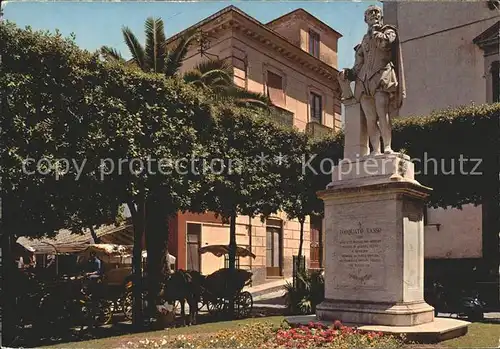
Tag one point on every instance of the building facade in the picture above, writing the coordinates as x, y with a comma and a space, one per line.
451, 54
293, 60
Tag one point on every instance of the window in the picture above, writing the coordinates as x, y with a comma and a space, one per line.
273, 251
495, 80
316, 107
314, 43
275, 88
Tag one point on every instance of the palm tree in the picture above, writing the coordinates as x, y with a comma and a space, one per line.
154, 56
216, 75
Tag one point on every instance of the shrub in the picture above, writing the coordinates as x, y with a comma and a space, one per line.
307, 294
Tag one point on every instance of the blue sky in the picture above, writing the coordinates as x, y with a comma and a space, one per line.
99, 23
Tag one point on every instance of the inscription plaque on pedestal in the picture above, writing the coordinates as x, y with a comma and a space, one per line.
359, 252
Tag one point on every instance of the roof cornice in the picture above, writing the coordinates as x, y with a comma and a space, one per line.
488, 37
233, 18
489, 40
283, 47
304, 15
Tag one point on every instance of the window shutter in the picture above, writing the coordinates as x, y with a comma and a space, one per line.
316, 107
275, 88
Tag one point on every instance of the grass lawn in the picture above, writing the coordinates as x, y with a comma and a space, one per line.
119, 341
479, 336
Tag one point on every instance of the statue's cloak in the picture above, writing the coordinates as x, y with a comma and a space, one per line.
397, 60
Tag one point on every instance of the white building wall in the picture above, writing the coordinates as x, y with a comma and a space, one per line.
443, 68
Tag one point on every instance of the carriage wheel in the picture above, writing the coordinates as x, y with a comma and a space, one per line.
202, 303
101, 313
243, 304
106, 312
127, 305
215, 308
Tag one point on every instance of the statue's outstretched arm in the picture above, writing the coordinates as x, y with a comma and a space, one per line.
386, 38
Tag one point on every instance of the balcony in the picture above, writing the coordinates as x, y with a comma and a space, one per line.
317, 130
282, 116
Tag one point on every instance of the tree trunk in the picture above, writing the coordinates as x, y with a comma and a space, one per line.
232, 258
7, 299
232, 242
301, 239
138, 219
156, 245
96, 239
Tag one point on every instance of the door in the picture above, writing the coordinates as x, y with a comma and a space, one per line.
315, 258
193, 244
273, 251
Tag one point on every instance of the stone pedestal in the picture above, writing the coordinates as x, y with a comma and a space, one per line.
374, 271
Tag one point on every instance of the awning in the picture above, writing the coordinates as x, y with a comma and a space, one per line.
68, 242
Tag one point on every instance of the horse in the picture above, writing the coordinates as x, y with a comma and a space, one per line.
184, 286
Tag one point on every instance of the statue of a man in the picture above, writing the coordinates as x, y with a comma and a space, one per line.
379, 79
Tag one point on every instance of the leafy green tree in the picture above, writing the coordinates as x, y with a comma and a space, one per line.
62, 103
249, 180
300, 187
214, 77
50, 112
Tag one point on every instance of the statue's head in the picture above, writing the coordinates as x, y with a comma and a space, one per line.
373, 15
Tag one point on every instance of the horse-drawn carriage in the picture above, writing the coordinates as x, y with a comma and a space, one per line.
214, 291
225, 284
115, 292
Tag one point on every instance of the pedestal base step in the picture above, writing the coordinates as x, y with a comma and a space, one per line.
373, 313
439, 330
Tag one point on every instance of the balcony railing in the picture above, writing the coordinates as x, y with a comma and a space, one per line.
282, 116
317, 130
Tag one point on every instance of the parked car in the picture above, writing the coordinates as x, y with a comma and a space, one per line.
454, 300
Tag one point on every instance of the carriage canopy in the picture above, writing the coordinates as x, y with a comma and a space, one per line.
116, 253
221, 250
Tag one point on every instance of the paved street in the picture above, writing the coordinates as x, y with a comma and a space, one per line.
273, 300
489, 317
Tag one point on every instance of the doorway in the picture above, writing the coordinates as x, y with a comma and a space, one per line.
193, 244
274, 247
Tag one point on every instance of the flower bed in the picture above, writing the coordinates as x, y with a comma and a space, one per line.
264, 335
316, 335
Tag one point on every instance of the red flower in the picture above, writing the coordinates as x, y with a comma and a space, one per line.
337, 324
